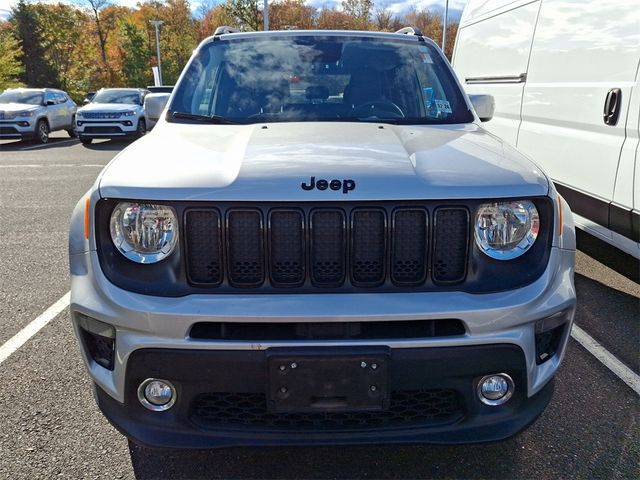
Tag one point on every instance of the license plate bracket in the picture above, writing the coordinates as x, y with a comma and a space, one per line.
327, 381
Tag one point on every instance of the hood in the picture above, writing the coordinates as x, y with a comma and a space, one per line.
109, 107
17, 107
270, 162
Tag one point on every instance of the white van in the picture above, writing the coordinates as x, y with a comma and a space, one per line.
565, 77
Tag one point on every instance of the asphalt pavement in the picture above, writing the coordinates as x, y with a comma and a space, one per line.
51, 428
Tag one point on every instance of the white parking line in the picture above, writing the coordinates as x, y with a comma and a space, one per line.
623, 372
39, 165
61, 142
20, 338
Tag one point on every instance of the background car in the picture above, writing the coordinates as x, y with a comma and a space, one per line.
33, 113
113, 113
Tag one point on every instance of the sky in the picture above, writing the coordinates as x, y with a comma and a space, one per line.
396, 6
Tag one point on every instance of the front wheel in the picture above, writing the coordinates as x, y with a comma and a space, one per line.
72, 131
142, 128
42, 132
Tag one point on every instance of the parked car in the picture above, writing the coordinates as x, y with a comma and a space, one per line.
568, 95
33, 113
355, 262
112, 113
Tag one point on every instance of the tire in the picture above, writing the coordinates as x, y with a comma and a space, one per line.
142, 128
42, 132
72, 131
85, 140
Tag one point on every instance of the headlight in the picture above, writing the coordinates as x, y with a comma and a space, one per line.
506, 230
25, 113
79, 114
144, 232
130, 113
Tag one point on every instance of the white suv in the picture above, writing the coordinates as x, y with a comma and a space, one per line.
32, 113
319, 243
113, 113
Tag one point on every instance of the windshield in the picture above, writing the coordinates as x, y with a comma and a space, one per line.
310, 78
116, 96
32, 98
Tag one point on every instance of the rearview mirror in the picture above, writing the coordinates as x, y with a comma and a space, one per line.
484, 105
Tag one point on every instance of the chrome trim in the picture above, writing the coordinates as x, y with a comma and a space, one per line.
522, 78
500, 401
151, 406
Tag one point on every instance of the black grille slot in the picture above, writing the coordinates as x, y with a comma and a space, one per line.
328, 247
8, 130
408, 264
451, 238
204, 252
100, 349
245, 248
368, 242
286, 247
263, 331
407, 407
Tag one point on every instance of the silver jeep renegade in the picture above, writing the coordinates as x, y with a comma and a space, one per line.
320, 244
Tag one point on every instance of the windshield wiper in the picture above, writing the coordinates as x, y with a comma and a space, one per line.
213, 119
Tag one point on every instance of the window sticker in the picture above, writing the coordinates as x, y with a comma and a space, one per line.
428, 96
443, 106
424, 55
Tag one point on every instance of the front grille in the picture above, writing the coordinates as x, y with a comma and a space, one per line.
8, 131
282, 331
326, 247
407, 408
102, 130
101, 115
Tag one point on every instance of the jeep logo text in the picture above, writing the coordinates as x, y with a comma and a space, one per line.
345, 185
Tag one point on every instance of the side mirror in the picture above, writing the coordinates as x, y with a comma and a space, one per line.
154, 104
48, 103
86, 101
484, 105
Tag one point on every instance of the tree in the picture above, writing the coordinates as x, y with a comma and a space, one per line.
245, 13
10, 52
291, 14
96, 7
37, 71
360, 11
332, 19
134, 54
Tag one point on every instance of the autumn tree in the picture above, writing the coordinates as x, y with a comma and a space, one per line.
288, 14
215, 17
360, 11
332, 19
134, 55
10, 53
245, 13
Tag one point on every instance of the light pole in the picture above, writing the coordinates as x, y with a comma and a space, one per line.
265, 15
444, 27
156, 24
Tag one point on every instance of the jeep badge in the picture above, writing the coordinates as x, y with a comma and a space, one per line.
345, 185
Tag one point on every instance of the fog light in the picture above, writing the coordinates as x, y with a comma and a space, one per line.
495, 389
156, 395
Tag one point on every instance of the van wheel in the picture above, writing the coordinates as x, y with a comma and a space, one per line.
42, 132
85, 140
142, 128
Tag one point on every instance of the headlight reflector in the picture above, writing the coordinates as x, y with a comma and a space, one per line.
144, 232
506, 230
129, 113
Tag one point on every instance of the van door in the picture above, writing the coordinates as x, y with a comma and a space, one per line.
491, 55
582, 70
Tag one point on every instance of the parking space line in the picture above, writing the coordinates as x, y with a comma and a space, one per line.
61, 142
20, 338
623, 372
39, 165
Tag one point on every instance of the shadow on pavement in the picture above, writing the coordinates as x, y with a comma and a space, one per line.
108, 146
608, 255
21, 145
336, 462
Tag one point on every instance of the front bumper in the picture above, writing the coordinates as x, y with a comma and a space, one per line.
17, 129
197, 373
152, 340
126, 127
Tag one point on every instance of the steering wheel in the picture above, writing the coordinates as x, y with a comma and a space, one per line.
385, 105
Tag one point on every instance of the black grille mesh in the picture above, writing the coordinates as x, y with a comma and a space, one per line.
368, 237
287, 248
451, 241
245, 248
408, 265
204, 257
410, 407
328, 247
